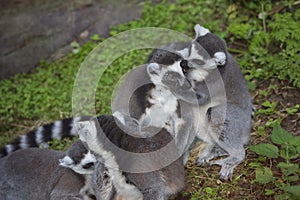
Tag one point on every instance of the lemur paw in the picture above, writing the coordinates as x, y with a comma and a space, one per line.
153, 69
227, 167
127, 123
205, 156
174, 80
203, 162
226, 172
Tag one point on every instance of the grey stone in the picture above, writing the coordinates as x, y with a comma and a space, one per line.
36, 30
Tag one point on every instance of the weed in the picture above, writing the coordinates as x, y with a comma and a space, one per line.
293, 110
61, 145
287, 148
272, 34
268, 108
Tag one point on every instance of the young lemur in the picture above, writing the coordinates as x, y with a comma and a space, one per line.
36, 174
98, 181
134, 175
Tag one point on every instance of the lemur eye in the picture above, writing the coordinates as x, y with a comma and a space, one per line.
88, 165
197, 62
184, 66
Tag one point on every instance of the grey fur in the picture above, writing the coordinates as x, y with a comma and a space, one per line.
227, 124
35, 174
102, 184
152, 185
79, 159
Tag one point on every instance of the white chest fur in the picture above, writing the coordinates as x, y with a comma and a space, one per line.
162, 112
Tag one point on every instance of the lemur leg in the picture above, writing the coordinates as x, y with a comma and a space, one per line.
210, 152
228, 164
184, 137
229, 127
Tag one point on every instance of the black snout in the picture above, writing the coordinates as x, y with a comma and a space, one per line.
184, 66
184, 63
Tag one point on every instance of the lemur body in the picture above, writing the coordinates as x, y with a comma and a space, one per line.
35, 174
102, 136
226, 111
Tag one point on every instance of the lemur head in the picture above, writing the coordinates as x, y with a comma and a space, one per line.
206, 52
196, 58
79, 159
212, 44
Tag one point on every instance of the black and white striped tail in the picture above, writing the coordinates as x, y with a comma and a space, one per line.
43, 134
253, 112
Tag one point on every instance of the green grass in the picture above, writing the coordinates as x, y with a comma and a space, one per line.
264, 37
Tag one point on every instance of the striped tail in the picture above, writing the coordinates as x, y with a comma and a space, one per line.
42, 135
253, 112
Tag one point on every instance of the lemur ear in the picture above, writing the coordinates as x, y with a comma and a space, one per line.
153, 68
66, 162
220, 58
200, 30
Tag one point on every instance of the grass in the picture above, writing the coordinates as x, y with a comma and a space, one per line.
264, 38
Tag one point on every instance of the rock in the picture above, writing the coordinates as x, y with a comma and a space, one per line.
36, 30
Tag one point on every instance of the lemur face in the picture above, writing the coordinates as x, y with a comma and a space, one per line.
85, 166
206, 52
79, 159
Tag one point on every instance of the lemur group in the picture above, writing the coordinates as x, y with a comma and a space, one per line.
194, 92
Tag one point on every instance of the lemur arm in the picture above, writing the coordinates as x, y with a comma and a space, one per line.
184, 131
182, 89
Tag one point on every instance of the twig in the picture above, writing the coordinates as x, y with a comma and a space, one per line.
236, 51
280, 7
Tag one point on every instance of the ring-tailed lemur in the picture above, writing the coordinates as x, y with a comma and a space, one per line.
152, 185
227, 124
98, 181
35, 174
